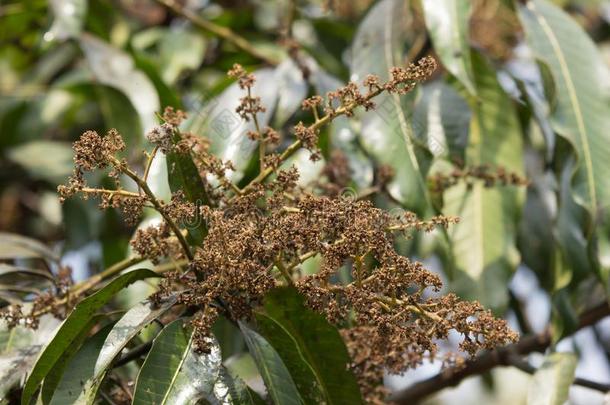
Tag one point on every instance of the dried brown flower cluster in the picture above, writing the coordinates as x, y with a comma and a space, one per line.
488, 175
260, 235
56, 301
265, 237
249, 105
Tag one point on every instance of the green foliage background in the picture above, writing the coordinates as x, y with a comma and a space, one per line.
523, 86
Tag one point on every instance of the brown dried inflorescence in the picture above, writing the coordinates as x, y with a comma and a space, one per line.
262, 239
391, 314
490, 177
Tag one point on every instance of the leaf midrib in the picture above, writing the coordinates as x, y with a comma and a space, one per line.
185, 353
573, 100
306, 355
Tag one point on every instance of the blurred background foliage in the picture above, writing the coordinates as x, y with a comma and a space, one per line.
67, 66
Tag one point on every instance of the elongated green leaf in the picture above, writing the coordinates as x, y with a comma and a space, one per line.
73, 326
441, 119
173, 373
68, 21
48, 160
126, 329
118, 112
536, 240
582, 113
484, 240
14, 246
387, 133
113, 67
123, 331
571, 222
7, 269
182, 175
75, 384
447, 23
276, 376
310, 347
552, 381
54, 376
232, 390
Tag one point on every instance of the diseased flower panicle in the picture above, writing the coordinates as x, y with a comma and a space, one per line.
391, 314
312, 103
309, 138
403, 79
92, 151
485, 173
245, 80
155, 243
173, 117
161, 136
249, 106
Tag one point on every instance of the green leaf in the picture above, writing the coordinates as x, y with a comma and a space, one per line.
582, 112
47, 160
77, 385
122, 332
167, 95
54, 376
276, 376
551, 382
74, 325
483, 242
174, 373
14, 246
115, 68
447, 23
233, 390
571, 222
68, 21
183, 175
180, 50
536, 239
310, 347
441, 119
386, 132
7, 270
126, 329
119, 113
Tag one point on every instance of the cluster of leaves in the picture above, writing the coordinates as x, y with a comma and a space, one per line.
303, 272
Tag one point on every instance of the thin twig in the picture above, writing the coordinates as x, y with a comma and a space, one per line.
96, 279
218, 30
285, 273
151, 157
133, 354
123, 193
291, 149
91, 282
156, 203
261, 143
